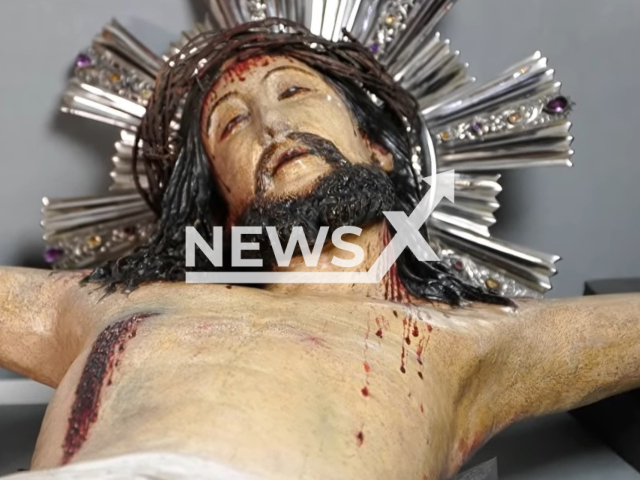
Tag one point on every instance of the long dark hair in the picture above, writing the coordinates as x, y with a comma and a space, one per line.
182, 189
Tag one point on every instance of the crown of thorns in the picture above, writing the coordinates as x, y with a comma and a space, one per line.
199, 64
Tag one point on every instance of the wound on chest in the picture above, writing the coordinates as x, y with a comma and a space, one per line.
104, 358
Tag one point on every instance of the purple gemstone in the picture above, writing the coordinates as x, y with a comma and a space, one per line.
53, 255
130, 231
458, 265
477, 128
374, 48
557, 105
83, 61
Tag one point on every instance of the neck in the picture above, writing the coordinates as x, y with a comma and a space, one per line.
373, 240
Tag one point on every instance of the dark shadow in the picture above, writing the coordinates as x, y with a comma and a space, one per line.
30, 255
511, 203
19, 428
530, 445
4, 374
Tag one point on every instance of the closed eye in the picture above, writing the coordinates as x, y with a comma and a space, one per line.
231, 125
291, 92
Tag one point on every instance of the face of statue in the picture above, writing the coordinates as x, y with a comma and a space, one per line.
273, 128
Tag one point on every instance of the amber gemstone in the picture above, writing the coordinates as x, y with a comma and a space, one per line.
515, 118
94, 241
492, 284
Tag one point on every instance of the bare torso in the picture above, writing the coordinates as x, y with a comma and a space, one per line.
302, 386
287, 387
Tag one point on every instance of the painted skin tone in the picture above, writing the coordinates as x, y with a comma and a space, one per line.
315, 384
253, 108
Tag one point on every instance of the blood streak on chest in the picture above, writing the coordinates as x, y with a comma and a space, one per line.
102, 361
394, 289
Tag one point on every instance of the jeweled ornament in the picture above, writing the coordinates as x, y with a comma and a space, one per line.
83, 60
557, 105
53, 255
421, 62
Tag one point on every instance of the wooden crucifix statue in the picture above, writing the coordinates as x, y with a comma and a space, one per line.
405, 379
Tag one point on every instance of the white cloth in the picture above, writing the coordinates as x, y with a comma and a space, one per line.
138, 466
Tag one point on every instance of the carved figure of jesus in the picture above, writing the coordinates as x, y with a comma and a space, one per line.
158, 379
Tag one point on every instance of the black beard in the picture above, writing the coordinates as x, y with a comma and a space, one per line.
350, 195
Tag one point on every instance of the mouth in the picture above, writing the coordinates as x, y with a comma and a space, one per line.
287, 157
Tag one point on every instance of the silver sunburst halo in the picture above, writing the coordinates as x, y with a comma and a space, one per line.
517, 120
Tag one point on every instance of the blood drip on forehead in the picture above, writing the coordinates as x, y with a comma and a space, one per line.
238, 70
235, 71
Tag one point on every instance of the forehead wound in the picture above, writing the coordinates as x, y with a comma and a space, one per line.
234, 71
237, 71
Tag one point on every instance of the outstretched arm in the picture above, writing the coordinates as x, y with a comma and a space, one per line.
40, 328
553, 356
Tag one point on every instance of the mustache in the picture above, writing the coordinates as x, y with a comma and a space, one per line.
314, 144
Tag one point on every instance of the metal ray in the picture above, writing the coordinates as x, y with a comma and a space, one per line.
505, 123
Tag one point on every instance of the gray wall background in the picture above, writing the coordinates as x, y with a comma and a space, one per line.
587, 214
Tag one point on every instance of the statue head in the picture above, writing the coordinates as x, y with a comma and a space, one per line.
272, 127
281, 128
282, 139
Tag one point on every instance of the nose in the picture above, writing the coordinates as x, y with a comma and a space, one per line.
275, 124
